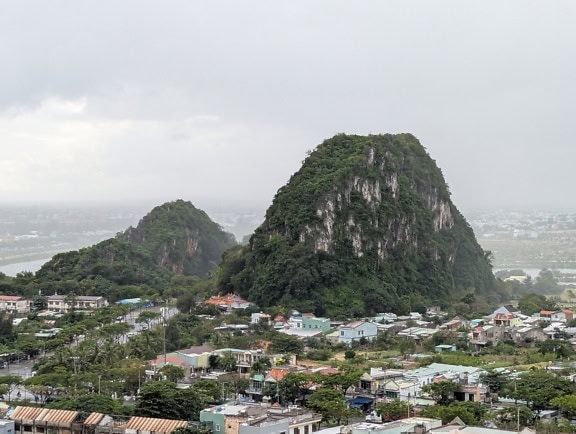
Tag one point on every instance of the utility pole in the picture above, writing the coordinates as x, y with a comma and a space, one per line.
164, 327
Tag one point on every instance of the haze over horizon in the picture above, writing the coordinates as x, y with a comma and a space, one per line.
218, 102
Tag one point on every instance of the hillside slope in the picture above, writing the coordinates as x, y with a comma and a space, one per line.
365, 225
173, 239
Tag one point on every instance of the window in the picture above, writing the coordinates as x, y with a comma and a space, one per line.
307, 429
216, 427
342, 333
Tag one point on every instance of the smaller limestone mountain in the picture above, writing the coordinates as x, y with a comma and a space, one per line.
366, 225
175, 238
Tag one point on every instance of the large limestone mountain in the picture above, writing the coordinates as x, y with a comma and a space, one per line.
365, 225
175, 238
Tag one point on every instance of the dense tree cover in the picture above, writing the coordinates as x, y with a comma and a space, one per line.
471, 413
90, 403
393, 410
162, 399
538, 388
382, 197
331, 404
532, 303
443, 391
173, 240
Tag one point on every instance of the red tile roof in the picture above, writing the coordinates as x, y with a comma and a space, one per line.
10, 298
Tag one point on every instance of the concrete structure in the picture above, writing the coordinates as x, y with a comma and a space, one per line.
316, 323
444, 347
401, 426
357, 330
7, 427
244, 358
14, 304
61, 303
255, 419
507, 320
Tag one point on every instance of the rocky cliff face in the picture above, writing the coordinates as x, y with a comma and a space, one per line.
363, 212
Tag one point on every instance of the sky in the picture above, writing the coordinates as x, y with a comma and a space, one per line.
218, 102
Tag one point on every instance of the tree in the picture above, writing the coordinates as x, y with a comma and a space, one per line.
291, 387
89, 403
161, 399
554, 346
495, 380
148, 317
172, 373
508, 417
546, 282
567, 404
443, 391
11, 382
286, 344
261, 365
227, 362
393, 410
209, 390
539, 387
471, 413
349, 354
532, 303
331, 404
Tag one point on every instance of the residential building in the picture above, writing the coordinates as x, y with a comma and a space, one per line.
401, 426
507, 320
356, 331
67, 303
315, 323
525, 336
564, 315
244, 358
481, 335
14, 304
444, 347
456, 323
228, 302
260, 318
256, 419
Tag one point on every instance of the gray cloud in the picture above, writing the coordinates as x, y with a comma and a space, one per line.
221, 99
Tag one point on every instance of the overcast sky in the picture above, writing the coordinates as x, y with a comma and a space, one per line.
218, 101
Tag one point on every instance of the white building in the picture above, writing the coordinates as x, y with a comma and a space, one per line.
61, 303
14, 304
357, 330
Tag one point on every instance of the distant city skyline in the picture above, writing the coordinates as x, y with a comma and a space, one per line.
218, 102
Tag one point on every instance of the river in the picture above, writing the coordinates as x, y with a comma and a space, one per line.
18, 267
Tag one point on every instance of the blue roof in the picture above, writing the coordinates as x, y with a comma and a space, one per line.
360, 400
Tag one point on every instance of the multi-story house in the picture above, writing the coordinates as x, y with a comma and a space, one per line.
356, 331
315, 323
250, 419
14, 304
67, 303
244, 358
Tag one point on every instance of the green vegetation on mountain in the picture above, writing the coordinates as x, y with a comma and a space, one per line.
175, 244
365, 225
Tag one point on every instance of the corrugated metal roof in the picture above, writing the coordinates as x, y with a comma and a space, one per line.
57, 417
153, 424
46, 415
94, 419
26, 413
